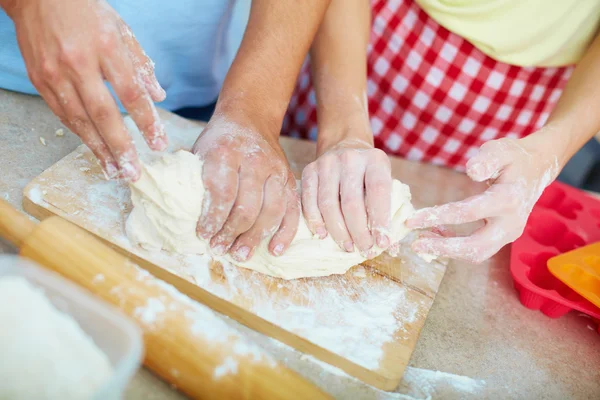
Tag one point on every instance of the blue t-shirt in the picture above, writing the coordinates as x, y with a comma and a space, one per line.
190, 42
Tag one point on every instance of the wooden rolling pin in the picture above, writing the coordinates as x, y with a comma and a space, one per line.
186, 344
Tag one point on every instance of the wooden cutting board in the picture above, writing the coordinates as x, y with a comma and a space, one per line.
362, 322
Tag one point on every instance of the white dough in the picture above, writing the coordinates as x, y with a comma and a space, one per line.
168, 201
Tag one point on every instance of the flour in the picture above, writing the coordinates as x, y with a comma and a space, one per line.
150, 311
229, 366
201, 322
45, 353
35, 194
417, 383
347, 315
427, 384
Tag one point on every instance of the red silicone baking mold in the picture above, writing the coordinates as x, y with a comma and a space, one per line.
563, 219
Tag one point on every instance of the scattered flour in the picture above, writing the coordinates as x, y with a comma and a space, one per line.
98, 278
417, 383
60, 132
149, 313
428, 384
35, 194
229, 366
202, 322
44, 353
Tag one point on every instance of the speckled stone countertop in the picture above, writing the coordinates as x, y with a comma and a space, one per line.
486, 344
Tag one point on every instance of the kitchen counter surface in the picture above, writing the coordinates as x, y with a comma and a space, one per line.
486, 344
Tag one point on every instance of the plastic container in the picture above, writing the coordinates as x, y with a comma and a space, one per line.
564, 219
579, 269
117, 336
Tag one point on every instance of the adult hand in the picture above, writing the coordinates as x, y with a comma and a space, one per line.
517, 171
250, 189
70, 47
346, 192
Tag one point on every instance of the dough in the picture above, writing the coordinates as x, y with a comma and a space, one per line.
168, 201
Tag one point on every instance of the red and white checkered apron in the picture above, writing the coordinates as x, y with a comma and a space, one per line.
433, 96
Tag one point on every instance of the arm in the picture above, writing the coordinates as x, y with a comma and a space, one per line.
251, 190
346, 192
69, 48
519, 171
575, 119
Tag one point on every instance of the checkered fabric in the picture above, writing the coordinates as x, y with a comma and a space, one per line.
433, 96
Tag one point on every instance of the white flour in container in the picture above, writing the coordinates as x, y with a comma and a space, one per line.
44, 353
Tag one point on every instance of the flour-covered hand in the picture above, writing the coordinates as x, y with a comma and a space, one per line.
346, 192
250, 189
70, 47
517, 171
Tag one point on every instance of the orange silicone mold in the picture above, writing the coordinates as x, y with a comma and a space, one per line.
564, 219
580, 270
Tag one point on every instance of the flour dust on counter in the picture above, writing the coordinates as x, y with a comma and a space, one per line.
417, 383
44, 353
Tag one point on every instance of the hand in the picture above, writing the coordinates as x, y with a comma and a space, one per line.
347, 192
69, 48
250, 190
518, 171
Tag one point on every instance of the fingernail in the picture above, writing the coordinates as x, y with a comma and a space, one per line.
383, 241
219, 250
368, 253
278, 250
110, 171
159, 93
321, 232
242, 253
129, 172
159, 143
349, 246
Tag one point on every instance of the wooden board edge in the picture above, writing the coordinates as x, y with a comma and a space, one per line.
237, 313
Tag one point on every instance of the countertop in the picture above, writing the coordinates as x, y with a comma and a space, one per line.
484, 342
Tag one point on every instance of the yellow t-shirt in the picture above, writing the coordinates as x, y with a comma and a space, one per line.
521, 32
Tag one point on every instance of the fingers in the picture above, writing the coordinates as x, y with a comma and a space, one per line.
378, 184
77, 119
142, 63
119, 70
328, 199
472, 209
310, 206
289, 225
107, 120
478, 247
243, 215
353, 201
220, 177
269, 219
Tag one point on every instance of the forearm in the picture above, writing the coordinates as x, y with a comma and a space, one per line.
576, 117
339, 71
265, 70
6, 5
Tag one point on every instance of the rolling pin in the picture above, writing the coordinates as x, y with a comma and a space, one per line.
186, 343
